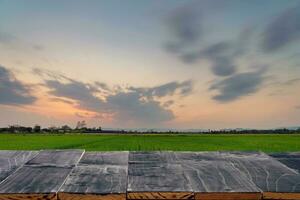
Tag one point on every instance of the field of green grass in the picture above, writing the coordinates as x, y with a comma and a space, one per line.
89, 142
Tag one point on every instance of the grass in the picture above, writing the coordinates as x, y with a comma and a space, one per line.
253, 142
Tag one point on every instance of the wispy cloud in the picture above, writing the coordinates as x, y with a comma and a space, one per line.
13, 91
238, 85
283, 30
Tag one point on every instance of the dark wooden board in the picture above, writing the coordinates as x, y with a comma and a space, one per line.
34, 180
266, 172
69, 196
63, 158
208, 172
154, 175
152, 156
97, 179
292, 160
11, 160
105, 158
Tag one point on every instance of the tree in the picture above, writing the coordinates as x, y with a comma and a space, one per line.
37, 128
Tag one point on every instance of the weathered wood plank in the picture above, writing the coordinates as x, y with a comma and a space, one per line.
66, 158
266, 172
154, 175
34, 180
228, 196
160, 195
11, 160
292, 160
99, 175
70, 196
97, 179
152, 156
28, 196
281, 196
105, 158
209, 172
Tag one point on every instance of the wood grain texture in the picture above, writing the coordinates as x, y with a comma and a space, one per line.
105, 158
292, 160
156, 172
152, 156
281, 196
160, 195
34, 180
28, 197
11, 160
266, 172
62, 158
97, 179
69, 196
209, 172
228, 196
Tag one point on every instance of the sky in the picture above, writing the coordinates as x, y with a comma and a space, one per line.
207, 64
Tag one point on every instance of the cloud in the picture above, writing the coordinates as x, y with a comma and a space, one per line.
129, 106
184, 26
183, 88
13, 91
78, 91
238, 85
283, 30
126, 105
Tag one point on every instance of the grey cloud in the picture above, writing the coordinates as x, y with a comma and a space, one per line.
183, 88
127, 104
13, 91
168, 103
238, 85
184, 25
78, 91
283, 30
223, 66
130, 107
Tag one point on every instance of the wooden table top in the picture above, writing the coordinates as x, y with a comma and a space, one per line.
76, 174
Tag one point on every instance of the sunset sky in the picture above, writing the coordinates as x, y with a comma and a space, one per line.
150, 63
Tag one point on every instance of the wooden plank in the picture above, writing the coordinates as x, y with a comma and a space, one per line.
69, 196
96, 179
228, 196
11, 160
154, 175
152, 156
105, 158
292, 160
211, 176
281, 196
28, 196
34, 180
160, 195
266, 172
99, 175
68, 158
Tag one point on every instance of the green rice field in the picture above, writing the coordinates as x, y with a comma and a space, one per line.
182, 142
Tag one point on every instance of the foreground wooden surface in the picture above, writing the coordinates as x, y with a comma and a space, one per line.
79, 175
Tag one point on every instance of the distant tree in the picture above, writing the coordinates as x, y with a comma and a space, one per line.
81, 124
66, 128
37, 128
